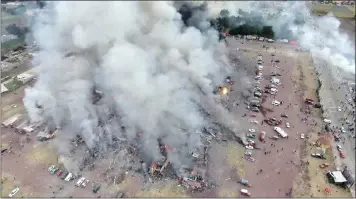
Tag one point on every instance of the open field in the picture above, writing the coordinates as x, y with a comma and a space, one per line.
338, 11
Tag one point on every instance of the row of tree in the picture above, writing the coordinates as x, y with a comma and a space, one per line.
244, 24
246, 29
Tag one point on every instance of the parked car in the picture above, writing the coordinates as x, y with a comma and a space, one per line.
13, 192
51, 168
327, 121
54, 170
342, 154
284, 115
276, 102
252, 130
255, 109
59, 173
318, 155
64, 175
324, 165
339, 148
84, 184
257, 94
287, 125
343, 130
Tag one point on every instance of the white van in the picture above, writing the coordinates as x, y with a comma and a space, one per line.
281, 132
80, 181
69, 177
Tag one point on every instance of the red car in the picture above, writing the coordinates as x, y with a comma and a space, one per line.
342, 154
309, 101
59, 173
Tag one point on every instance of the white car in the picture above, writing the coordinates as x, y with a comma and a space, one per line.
339, 148
84, 184
249, 147
13, 192
287, 125
276, 103
252, 130
254, 121
327, 121
343, 129
302, 136
51, 168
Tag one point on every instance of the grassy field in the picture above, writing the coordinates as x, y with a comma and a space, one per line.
234, 154
168, 189
6, 46
338, 11
8, 185
42, 154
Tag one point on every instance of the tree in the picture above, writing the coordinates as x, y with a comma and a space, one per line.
224, 13
267, 31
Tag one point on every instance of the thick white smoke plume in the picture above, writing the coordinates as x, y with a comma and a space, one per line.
155, 74
319, 35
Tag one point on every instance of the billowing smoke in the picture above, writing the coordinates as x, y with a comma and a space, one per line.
293, 20
155, 74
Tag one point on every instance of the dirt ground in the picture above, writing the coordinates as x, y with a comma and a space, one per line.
26, 162
281, 164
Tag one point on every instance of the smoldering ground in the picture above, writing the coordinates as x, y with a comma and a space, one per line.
154, 72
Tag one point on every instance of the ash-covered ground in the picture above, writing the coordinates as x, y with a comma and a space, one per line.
137, 95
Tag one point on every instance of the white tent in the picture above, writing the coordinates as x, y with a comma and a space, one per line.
3, 88
338, 177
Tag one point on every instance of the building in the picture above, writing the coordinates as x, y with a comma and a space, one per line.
25, 77
12, 120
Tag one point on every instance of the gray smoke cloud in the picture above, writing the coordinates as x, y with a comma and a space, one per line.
155, 74
293, 20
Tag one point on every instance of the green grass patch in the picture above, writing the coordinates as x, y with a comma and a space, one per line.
338, 11
13, 85
9, 45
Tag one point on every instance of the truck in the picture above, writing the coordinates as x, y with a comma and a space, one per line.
281, 132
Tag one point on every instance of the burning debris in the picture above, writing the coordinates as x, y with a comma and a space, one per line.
193, 179
46, 135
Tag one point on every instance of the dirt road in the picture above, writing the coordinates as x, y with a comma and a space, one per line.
277, 161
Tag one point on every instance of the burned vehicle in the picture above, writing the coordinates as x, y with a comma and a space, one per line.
193, 180
273, 121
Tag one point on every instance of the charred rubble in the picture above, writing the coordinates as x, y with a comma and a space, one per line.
118, 155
